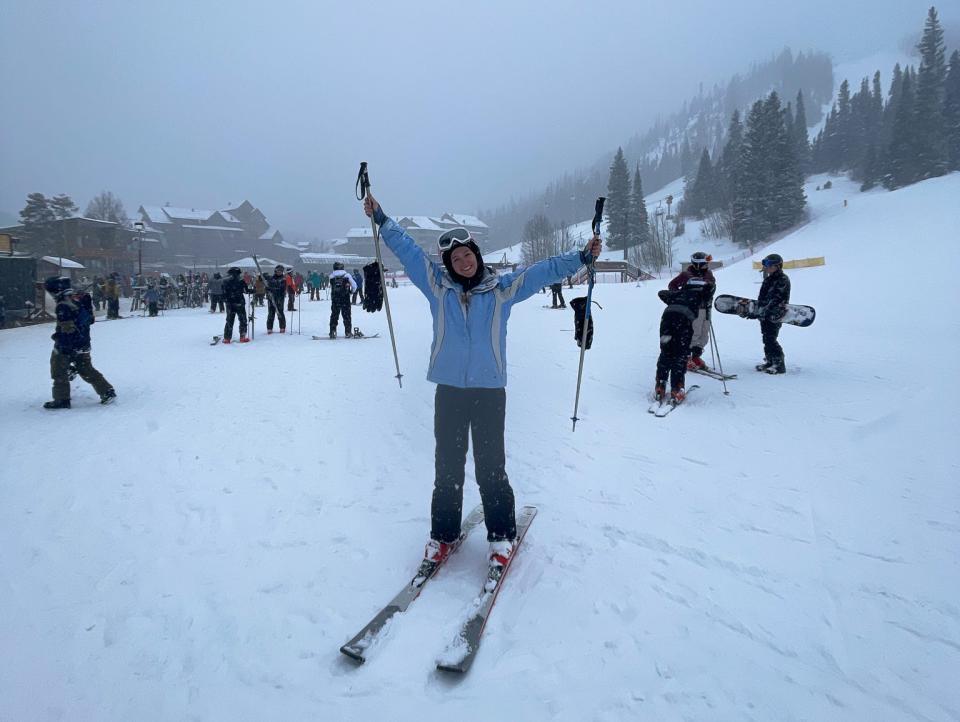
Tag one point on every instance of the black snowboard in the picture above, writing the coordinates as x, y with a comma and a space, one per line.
794, 315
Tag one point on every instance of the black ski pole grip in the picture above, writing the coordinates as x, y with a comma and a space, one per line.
363, 181
598, 215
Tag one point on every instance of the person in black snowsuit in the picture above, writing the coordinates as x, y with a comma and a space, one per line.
771, 304
557, 290
342, 285
676, 330
233, 291
277, 288
71, 345
699, 268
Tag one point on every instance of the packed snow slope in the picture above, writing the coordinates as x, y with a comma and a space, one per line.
201, 549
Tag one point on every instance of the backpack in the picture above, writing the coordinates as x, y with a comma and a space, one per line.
340, 289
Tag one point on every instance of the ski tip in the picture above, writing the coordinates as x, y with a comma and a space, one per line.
353, 654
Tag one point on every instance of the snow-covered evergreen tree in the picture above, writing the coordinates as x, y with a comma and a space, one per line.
618, 204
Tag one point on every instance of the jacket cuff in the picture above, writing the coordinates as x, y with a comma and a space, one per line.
379, 216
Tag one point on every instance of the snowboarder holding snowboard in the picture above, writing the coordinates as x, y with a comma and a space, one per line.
676, 330
233, 290
699, 268
771, 303
341, 286
71, 344
470, 305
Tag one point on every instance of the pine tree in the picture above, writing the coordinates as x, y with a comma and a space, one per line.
890, 109
929, 135
639, 220
699, 199
951, 112
35, 217
801, 140
749, 204
785, 193
725, 166
618, 204
62, 207
841, 149
900, 165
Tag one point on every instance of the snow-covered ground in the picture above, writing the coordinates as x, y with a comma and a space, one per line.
202, 548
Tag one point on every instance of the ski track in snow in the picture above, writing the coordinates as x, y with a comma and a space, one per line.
201, 548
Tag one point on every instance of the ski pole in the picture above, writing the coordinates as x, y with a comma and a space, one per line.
591, 275
363, 187
713, 344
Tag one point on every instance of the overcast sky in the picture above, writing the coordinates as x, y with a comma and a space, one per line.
456, 106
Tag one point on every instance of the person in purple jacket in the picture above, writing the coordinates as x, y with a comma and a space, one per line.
470, 305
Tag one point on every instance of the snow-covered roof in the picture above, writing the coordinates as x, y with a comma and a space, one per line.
248, 263
269, 234
424, 222
359, 233
64, 262
466, 220
155, 214
187, 214
229, 217
230, 229
285, 245
345, 258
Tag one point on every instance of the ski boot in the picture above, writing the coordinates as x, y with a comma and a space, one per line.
433, 556
269, 331
660, 392
357, 333
226, 340
695, 363
677, 396
776, 367
108, 396
500, 553
243, 339
333, 334
57, 404
764, 365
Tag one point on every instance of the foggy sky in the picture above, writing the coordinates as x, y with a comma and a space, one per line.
454, 106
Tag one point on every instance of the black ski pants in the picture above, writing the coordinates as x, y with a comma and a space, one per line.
772, 349
275, 310
60, 373
480, 412
676, 330
235, 310
335, 310
216, 300
558, 296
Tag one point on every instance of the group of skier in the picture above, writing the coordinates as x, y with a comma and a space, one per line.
686, 324
470, 304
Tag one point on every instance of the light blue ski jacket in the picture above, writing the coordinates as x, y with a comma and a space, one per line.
469, 347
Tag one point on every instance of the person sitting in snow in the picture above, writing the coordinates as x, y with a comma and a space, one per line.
470, 305
699, 268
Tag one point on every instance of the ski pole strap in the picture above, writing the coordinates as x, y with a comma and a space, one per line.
363, 182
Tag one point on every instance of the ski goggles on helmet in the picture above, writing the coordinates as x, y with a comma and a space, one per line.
453, 237
767, 262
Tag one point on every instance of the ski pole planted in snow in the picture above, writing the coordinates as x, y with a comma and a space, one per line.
713, 345
591, 275
363, 187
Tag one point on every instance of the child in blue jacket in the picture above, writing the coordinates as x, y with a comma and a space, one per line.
470, 305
